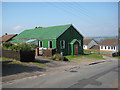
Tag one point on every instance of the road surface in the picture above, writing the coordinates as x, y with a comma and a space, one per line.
101, 75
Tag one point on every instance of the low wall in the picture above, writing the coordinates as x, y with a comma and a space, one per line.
11, 54
27, 56
48, 52
19, 55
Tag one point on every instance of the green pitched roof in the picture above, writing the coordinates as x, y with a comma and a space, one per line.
44, 32
18, 41
73, 41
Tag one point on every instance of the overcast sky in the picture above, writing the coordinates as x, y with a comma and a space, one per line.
89, 18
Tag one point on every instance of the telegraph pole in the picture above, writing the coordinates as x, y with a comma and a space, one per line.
119, 27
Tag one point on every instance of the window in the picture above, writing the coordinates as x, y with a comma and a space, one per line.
40, 44
101, 47
108, 47
105, 47
114, 47
62, 44
50, 44
84, 46
111, 47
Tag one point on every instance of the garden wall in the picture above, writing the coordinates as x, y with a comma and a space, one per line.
11, 54
27, 56
19, 55
48, 52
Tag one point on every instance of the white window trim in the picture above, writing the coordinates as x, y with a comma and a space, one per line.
105, 47
39, 43
79, 42
63, 44
49, 44
109, 47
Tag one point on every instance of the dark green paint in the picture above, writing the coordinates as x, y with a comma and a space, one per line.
70, 34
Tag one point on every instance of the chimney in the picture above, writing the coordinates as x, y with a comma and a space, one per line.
5, 33
37, 27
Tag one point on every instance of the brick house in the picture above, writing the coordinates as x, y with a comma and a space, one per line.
7, 38
89, 44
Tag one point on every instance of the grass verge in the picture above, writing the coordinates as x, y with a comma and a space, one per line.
13, 61
84, 57
117, 57
36, 63
97, 51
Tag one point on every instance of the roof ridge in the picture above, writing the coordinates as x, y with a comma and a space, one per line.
57, 25
48, 27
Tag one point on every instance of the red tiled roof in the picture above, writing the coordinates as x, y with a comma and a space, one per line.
6, 38
96, 47
109, 42
87, 41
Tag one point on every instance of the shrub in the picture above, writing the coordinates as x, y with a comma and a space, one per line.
7, 45
33, 46
54, 57
57, 57
24, 47
14, 47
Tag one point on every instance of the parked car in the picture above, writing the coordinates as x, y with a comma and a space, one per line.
116, 54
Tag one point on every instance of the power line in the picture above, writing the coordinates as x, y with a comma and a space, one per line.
70, 8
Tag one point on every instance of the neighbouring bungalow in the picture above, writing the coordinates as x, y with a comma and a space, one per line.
95, 47
89, 43
109, 45
65, 38
7, 38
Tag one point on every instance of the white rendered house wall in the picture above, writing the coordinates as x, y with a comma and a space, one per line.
84, 46
109, 48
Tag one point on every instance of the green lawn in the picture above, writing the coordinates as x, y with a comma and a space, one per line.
22, 63
5, 59
117, 57
36, 63
84, 57
13, 60
96, 51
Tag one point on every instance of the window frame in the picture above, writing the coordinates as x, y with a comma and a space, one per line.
111, 47
101, 47
62, 47
40, 44
49, 44
79, 42
105, 47
114, 48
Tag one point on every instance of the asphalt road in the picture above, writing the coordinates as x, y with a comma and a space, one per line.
102, 75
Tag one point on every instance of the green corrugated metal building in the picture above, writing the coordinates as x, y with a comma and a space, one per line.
65, 38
